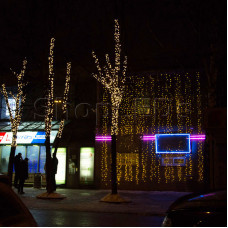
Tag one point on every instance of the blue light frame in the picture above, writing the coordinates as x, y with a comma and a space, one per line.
172, 152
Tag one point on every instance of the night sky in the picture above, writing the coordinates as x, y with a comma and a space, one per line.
156, 35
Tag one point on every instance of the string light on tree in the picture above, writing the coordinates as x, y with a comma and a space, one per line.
50, 178
16, 118
19, 100
112, 79
50, 95
65, 99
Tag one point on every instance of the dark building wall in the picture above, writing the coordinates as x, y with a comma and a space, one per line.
216, 122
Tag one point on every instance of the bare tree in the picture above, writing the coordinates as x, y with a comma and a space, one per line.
50, 169
15, 115
113, 79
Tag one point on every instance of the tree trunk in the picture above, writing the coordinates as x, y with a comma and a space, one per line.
49, 168
11, 161
56, 146
113, 165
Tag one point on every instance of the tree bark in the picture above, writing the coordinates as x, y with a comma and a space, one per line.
49, 168
10, 166
113, 165
57, 141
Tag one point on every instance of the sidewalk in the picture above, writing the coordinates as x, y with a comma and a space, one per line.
142, 202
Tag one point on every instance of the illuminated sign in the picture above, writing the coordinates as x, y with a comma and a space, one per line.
173, 161
86, 164
172, 143
27, 137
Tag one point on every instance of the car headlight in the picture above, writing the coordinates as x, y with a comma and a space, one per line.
167, 222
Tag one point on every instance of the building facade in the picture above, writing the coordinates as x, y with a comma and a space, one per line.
161, 138
160, 145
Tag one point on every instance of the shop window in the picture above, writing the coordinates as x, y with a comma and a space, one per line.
5, 158
60, 177
86, 164
22, 150
33, 155
42, 159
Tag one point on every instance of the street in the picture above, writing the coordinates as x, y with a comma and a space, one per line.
62, 218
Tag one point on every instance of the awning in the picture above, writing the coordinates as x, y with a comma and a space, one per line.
28, 126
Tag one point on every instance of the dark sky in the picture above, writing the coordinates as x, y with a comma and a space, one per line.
156, 34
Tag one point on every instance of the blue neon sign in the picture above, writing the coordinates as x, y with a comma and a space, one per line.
172, 143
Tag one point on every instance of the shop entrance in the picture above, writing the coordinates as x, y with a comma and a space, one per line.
37, 158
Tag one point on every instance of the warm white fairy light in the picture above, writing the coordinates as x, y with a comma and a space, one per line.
19, 99
50, 95
109, 77
65, 98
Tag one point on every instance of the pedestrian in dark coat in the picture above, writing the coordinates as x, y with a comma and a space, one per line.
17, 161
23, 175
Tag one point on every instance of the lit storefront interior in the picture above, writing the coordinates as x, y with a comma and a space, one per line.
30, 143
86, 165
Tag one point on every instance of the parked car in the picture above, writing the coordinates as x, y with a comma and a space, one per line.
13, 212
209, 209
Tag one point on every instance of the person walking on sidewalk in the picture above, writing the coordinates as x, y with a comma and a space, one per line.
17, 161
23, 175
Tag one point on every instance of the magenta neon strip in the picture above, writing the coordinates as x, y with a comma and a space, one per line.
149, 137
192, 137
198, 137
103, 138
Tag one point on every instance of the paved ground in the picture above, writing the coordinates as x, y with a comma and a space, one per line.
60, 218
142, 202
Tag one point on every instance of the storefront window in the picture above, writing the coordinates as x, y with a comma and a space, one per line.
5, 158
42, 158
86, 164
60, 177
22, 150
37, 159
33, 156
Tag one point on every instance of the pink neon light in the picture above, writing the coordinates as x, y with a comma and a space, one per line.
197, 138
146, 137
192, 137
149, 137
103, 138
